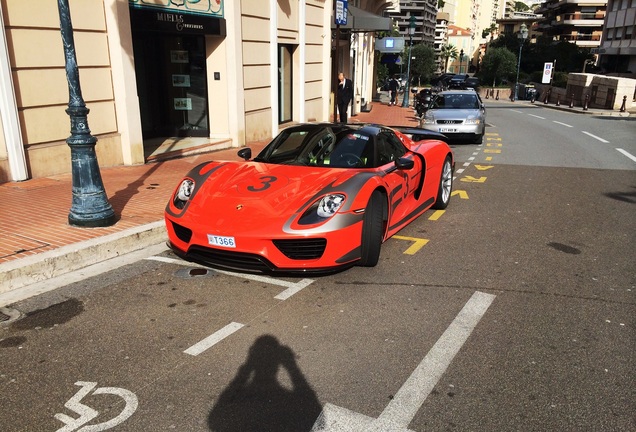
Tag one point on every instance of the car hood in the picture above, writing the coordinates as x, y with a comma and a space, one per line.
259, 193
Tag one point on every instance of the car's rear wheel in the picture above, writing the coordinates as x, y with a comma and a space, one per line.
372, 231
445, 186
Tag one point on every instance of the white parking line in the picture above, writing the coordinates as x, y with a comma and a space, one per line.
562, 124
408, 400
213, 339
595, 137
292, 287
629, 155
539, 117
411, 396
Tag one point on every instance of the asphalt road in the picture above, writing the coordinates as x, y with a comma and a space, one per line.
513, 310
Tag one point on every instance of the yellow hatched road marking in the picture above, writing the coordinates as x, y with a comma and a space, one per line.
436, 215
484, 167
416, 246
492, 151
471, 179
462, 194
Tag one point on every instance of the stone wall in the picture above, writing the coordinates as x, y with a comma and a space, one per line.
604, 92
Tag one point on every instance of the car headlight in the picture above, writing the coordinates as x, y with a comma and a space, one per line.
472, 121
183, 193
323, 209
428, 120
329, 205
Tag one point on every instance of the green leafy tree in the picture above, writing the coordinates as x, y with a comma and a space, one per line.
489, 31
498, 64
569, 56
521, 7
422, 62
448, 52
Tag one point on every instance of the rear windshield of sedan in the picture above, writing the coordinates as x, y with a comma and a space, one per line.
455, 101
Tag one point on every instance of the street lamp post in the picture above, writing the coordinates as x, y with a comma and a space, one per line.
522, 35
90, 206
461, 60
405, 100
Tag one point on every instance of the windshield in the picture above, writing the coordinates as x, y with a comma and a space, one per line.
455, 101
341, 148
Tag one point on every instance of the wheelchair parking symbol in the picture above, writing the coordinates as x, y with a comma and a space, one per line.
86, 413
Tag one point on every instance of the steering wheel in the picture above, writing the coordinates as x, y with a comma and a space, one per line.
351, 160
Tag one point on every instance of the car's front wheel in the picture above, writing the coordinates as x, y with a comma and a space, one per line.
445, 186
372, 231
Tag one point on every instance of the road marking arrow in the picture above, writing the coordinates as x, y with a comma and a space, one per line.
484, 167
417, 245
462, 194
471, 179
411, 396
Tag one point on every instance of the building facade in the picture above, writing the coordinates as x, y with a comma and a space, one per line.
576, 21
164, 77
425, 13
617, 51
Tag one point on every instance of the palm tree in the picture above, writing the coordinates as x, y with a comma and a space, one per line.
448, 52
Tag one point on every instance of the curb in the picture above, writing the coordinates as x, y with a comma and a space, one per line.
46, 265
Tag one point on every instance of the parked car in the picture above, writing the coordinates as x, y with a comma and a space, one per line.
318, 198
457, 81
458, 114
471, 83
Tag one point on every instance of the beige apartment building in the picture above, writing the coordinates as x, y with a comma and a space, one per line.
166, 77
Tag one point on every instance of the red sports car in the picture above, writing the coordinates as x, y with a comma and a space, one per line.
318, 198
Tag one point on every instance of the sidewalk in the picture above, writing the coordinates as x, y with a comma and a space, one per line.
37, 243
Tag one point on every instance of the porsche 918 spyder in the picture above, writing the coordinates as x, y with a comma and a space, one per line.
318, 198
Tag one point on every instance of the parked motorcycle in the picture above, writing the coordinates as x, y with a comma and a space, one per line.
422, 100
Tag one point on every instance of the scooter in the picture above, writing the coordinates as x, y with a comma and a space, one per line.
422, 99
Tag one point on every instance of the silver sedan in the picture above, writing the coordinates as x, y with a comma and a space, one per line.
456, 114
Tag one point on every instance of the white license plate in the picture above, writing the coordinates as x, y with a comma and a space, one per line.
442, 130
222, 241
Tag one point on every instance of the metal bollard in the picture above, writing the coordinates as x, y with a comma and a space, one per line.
558, 102
547, 97
572, 101
623, 109
487, 93
497, 98
587, 99
532, 98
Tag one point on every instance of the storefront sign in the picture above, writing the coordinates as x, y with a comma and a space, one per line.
203, 7
164, 20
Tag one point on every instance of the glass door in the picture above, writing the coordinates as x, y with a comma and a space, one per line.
285, 74
172, 85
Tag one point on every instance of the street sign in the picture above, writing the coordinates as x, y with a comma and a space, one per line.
341, 12
547, 73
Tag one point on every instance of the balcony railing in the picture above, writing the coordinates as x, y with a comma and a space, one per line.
580, 37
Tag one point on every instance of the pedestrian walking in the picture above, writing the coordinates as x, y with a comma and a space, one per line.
394, 85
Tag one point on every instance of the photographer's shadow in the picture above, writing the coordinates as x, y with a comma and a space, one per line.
256, 401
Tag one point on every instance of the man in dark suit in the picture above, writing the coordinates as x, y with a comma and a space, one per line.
344, 96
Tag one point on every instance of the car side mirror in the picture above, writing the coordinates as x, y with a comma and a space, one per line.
245, 153
404, 164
